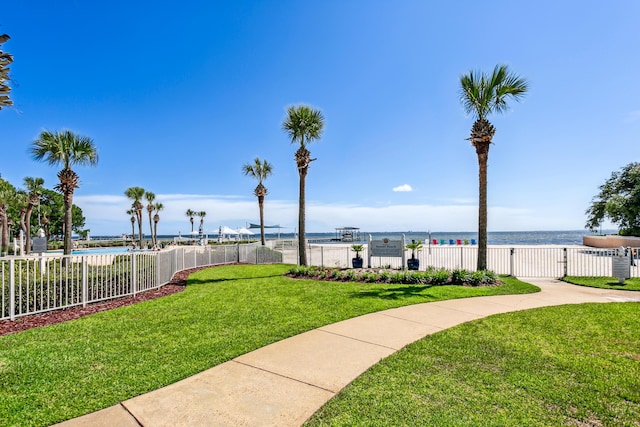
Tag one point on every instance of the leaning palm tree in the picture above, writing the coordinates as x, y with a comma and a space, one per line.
259, 170
150, 197
67, 149
34, 191
190, 213
303, 125
482, 94
156, 218
136, 194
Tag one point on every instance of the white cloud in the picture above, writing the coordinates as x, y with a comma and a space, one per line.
403, 188
106, 215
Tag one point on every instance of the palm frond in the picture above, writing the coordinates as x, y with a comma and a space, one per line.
482, 94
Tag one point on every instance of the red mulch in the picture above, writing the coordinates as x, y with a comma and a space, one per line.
177, 284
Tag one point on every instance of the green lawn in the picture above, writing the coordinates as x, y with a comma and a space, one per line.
605, 282
59, 372
571, 365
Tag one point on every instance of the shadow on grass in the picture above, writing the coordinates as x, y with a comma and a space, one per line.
395, 293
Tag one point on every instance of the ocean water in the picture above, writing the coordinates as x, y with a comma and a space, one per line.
570, 237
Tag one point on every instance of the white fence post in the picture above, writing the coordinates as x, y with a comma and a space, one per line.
512, 252
85, 281
134, 275
12, 289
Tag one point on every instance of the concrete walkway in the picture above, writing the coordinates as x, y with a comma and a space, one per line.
284, 383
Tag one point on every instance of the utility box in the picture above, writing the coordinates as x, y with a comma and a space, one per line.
621, 264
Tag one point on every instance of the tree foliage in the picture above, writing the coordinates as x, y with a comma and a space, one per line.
619, 201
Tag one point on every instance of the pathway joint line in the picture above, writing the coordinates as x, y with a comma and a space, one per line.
282, 376
357, 339
123, 406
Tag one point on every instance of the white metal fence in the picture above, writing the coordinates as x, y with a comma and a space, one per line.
31, 285
519, 261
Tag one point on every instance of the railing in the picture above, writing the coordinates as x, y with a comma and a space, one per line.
517, 261
31, 285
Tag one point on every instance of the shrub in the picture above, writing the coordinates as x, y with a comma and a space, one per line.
351, 276
440, 277
384, 277
460, 276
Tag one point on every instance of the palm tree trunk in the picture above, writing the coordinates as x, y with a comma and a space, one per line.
155, 232
153, 240
140, 229
483, 157
4, 225
68, 203
27, 220
261, 208
302, 247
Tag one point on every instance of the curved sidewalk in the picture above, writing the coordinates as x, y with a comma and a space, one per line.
284, 383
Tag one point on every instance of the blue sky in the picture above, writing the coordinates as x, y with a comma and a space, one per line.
177, 96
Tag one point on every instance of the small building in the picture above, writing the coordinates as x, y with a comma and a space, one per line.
347, 234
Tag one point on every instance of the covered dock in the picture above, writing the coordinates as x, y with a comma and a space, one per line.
347, 234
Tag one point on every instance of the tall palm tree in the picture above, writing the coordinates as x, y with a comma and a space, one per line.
67, 149
34, 190
481, 95
303, 125
136, 194
156, 218
150, 197
259, 170
201, 214
190, 213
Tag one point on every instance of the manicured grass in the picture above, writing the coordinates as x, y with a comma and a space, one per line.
59, 372
605, 282
571, 365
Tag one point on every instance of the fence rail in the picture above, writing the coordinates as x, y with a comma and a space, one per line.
31, 285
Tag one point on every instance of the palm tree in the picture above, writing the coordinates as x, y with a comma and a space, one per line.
136, 194
201, 214
34, 190
132, 212
303, 125
67, 149
5, 60
150, 197
7, 197
156, 218
260, 171
190, 214
482, 94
